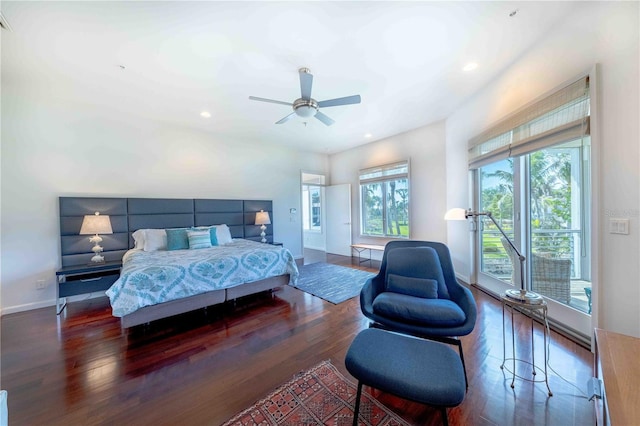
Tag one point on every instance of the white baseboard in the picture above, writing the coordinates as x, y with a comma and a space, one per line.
464, 278
47, 303
27, 307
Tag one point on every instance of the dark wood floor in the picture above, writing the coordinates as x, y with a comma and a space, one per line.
203, 367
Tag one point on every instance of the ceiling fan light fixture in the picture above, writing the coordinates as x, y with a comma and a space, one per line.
305, 111
305, 108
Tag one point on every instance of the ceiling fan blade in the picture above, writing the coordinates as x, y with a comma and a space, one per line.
347, 100
326, 120
287, 118
254, 98
306, 81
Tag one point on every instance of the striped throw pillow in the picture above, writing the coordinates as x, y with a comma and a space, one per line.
199, 239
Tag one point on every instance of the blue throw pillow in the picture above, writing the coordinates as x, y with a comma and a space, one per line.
418, 287
199, 239
177, 239
213, 236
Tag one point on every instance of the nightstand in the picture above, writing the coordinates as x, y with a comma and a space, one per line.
274, 243
84, 279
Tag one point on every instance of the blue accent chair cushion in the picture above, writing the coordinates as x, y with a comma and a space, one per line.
418, 310
420, 370
419, 287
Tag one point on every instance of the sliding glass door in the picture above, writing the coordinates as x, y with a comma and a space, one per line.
541, 200
558, 219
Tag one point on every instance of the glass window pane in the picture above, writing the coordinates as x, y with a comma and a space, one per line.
305, 208
397, 196
372, 209
316, 204
496, 196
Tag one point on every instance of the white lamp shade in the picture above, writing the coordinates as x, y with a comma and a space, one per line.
455, 213
262, 218
96, 224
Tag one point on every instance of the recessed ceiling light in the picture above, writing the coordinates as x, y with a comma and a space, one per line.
205, 114
368, 135
470, 66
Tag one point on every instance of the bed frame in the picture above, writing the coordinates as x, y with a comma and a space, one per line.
130, 214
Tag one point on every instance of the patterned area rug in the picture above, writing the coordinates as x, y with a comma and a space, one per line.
332, 283
320, 396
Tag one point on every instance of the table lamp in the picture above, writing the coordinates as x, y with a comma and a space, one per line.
262, 219
96, 224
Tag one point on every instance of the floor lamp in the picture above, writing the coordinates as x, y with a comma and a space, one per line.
522, 295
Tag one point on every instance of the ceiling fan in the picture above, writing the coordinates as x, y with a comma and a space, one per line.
306, 106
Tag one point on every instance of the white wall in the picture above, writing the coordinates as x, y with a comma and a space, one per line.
425, 147
53, 148
607, 34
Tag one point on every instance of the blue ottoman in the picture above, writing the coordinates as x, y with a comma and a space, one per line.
419, 370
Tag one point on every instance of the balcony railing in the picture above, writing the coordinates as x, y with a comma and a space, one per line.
557, 244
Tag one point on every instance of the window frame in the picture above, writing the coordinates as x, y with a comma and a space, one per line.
382, 175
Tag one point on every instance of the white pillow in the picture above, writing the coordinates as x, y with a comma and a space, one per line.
155, 239
223, 234
138, 239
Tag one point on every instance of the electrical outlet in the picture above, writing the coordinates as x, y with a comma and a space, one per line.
41, 285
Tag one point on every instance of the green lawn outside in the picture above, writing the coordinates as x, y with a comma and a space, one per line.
375, 228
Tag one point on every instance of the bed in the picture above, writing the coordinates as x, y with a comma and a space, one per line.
156, 282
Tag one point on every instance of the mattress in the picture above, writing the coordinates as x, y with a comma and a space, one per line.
153, 277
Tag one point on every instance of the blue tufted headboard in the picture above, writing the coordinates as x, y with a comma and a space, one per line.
130, 214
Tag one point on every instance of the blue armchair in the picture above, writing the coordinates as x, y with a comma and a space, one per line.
416, 293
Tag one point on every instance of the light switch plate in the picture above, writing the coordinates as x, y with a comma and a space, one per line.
619, 226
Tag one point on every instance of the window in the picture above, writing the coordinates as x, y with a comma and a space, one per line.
540, 195
312, 208
384, 201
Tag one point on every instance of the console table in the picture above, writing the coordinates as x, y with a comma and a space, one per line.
617, 365
363, 247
